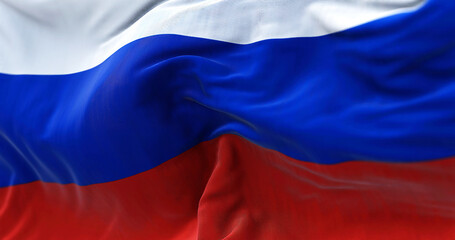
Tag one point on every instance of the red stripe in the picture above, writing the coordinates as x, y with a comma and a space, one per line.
229, 187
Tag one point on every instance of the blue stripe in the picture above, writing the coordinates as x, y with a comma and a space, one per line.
384, 91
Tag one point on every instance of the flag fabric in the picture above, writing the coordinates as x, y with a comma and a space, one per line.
217, 119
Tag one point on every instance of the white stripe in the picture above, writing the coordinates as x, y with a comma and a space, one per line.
66, 36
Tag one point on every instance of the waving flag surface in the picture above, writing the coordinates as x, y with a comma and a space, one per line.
248, 119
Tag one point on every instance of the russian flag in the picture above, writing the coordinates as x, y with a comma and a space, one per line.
223, 119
